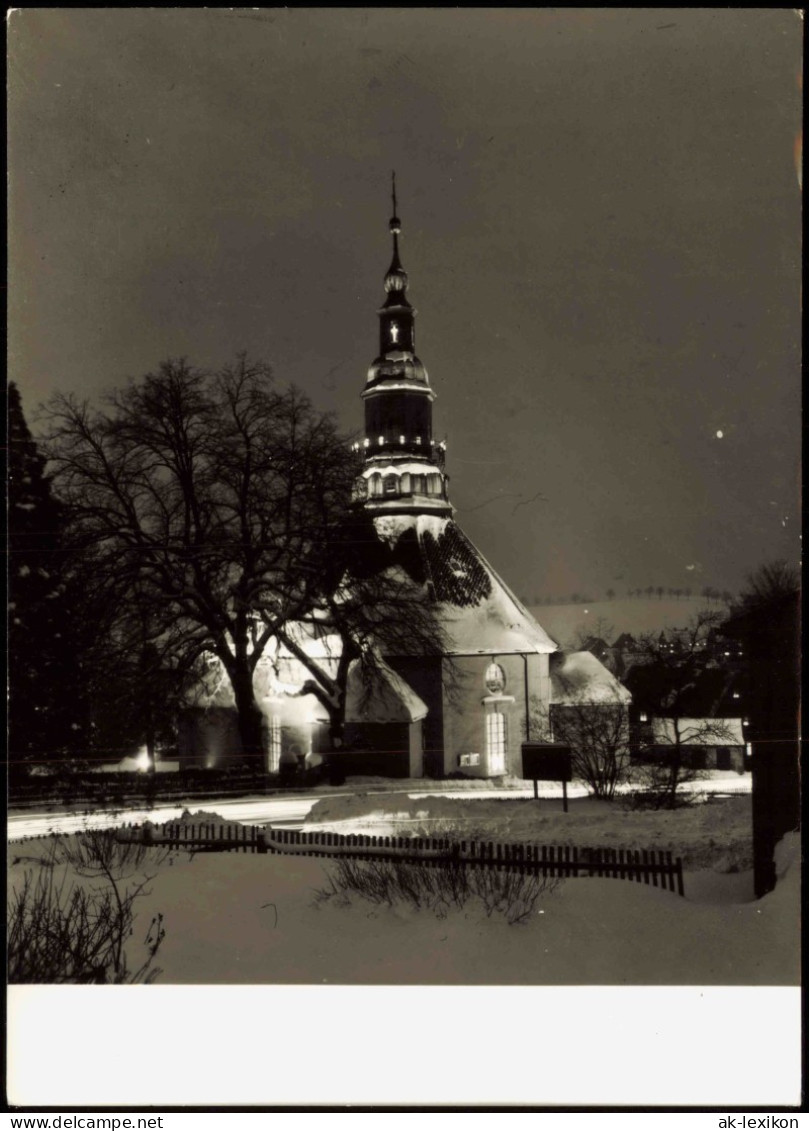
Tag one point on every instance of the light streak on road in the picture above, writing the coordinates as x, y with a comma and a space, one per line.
291, 812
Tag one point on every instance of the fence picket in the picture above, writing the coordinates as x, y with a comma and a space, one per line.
656, 867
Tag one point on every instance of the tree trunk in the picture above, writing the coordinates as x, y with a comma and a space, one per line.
250, 717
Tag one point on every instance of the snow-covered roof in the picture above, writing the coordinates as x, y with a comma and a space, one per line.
698, 732
280, 678
391, 698
580, 677
481, 615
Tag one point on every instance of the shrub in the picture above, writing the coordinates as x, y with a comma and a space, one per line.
438, 887
62, 932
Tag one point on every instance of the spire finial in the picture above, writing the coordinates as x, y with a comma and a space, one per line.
395, 222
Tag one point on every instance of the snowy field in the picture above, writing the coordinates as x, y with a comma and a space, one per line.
249, 919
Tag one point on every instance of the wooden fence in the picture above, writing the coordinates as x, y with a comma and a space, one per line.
648, 866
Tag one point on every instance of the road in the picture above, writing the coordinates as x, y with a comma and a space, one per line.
288, 812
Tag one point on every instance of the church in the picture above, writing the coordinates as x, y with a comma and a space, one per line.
465, 712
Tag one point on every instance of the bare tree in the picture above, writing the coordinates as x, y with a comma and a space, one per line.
597, 732
665, 684
600, 629
372, 609
195, 496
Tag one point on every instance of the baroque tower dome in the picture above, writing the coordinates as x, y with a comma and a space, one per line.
404, 466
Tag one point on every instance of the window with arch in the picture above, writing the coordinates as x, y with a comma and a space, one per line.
495, 679
375, 485
273, 745
496, 742
391, 485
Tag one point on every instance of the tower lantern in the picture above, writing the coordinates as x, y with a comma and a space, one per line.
404, 472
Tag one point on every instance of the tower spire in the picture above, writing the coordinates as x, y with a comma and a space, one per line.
396, 278
394, 221
404, 471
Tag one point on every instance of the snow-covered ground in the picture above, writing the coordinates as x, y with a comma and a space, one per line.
290, 810
612, 992
715, 834
242, 918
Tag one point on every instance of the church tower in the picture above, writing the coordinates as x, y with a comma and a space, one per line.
404, 465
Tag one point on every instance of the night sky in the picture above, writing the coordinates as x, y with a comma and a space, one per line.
601, 224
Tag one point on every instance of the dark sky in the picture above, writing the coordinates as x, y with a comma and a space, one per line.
601, 226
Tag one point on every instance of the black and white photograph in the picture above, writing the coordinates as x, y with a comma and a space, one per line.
403, 480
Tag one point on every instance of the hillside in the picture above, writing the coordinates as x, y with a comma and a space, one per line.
633, 615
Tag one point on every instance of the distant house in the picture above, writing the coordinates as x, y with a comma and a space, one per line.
712, 744
601, 650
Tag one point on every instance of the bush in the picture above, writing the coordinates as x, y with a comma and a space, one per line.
438, 887
656, 788
62, 932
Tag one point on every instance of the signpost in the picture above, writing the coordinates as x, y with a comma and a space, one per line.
547, 761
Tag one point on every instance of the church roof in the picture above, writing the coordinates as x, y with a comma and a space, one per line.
481, 614
388, 699
579, 677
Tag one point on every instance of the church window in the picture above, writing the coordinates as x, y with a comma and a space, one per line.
496, 742
418, 484
418, 439
390, 484
406, 484
394, 333
274, 746
401, 439
495, 679
376, 484
381, 441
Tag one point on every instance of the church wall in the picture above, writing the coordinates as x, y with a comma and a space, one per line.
379, 749
424, 675
468, 701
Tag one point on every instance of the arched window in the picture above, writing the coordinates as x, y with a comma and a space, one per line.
391, 485
273, 745
496, 743
495, 679
405, 484
375, 483
418, 484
